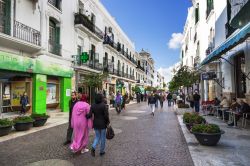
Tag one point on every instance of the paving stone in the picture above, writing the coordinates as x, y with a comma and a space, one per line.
143, 141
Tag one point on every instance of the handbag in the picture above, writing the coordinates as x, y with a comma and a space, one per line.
110, 133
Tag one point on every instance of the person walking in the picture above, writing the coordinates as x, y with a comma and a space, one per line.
81, 126
101, 120
196, 98
112, 99
24, 101
157, 97
169, 98
72, 103
138, 97
151, 103
162, 99
118, 102
174, 98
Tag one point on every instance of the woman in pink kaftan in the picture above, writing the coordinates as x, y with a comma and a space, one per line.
81, 126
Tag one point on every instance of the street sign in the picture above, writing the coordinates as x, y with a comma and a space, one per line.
84, 57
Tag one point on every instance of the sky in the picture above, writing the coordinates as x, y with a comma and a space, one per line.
154, 25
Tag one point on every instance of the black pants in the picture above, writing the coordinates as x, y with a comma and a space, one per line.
23, 109
69, 133
161, 103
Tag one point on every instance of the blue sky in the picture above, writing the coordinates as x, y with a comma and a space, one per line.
150, 25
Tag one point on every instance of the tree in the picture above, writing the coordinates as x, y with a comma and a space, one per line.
95, 80
183, 77
136, 89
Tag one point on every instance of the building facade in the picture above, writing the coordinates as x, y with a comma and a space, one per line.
33, 59
148, 63
199, 41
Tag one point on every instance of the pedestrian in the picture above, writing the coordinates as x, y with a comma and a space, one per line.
81, 126
118, 102
72, 103
162, 99
174, 98
197, 98
112, 99
157, 97
24, 101
141, 97
101, 120
138, 97
125, 98
84, 97
151, 103
169, 98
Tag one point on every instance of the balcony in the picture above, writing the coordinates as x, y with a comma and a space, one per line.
110, 42
24, 37
26, 33
55, 48
55, 3
83, 23
140, 67
107, 65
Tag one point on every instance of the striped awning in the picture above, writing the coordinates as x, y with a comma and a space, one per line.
236, 38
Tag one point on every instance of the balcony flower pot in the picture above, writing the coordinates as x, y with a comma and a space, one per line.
207, 134
23, 123
39, 119
5, 127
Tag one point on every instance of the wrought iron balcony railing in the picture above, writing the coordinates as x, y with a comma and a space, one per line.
84, 20
55, 3
27, 33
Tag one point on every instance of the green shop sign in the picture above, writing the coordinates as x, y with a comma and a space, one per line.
25, 64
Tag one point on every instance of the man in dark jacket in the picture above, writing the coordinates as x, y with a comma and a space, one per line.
72, 102
197, 98
100, 123
151, 103
169, 98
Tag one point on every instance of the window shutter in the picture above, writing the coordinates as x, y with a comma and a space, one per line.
7, 10
57, 35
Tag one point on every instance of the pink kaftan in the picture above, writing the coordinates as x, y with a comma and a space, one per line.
80, 126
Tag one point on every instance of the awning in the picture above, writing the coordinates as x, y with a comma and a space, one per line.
237, 37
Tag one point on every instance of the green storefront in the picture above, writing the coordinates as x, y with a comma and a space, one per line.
48, 85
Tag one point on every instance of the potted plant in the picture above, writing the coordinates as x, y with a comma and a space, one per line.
40, 119
5, 126
207, 134
23, 123
192, 118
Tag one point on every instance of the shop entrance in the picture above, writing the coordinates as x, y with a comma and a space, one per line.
12, 86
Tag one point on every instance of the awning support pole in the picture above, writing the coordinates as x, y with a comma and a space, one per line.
246, 75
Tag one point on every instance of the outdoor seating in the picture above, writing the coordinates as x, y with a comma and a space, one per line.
206, 105
245, 118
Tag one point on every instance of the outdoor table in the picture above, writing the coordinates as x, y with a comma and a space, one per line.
223, 109
230, 115
217, 111
234, 117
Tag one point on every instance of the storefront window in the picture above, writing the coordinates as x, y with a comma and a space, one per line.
51, 93
240, 69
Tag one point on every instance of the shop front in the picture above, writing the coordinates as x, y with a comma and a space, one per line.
47, 84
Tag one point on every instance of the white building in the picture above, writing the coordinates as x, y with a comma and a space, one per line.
148, 63
231, 48
199, 41
33, 58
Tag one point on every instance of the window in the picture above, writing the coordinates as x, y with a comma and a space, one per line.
210, 6
81, 8
56, 3
240, 77
197, 13
54, 37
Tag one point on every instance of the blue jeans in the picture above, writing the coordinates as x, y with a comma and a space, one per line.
197, 106
100, 135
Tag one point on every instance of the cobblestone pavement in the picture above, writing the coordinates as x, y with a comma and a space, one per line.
141, 140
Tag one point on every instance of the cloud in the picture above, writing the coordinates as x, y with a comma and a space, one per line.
176, 41
166, 73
